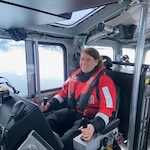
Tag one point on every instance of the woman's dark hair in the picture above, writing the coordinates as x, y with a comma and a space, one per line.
95, 54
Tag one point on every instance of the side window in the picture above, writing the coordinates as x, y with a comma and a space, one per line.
51, 65
103, 50
107, 51
130, 53
13, 64
147, 60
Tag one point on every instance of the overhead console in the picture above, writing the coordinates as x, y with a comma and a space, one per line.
17, 16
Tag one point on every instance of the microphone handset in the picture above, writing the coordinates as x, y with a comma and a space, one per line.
45, 100
84, 122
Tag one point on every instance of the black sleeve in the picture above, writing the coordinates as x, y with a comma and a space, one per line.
98, 123
54, 103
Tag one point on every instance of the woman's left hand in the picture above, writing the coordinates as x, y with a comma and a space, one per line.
88, 132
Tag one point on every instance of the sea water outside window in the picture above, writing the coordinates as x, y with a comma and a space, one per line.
51, 63
131, 54
13, 64
147, 59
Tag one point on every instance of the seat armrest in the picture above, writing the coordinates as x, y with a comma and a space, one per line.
94, 143
111, 125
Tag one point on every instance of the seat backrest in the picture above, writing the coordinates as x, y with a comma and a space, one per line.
124, 82
117, 100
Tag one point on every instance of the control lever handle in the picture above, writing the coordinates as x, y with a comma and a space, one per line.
45, 100
84, 122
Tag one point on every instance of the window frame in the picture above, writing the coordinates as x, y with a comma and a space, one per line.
64, 64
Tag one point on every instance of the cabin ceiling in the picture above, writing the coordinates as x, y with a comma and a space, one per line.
23, 13
56, 6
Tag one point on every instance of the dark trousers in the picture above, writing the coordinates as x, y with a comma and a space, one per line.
65, 122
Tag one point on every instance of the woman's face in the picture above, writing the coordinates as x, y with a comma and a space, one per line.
87, 62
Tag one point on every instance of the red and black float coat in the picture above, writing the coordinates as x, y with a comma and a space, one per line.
102, 105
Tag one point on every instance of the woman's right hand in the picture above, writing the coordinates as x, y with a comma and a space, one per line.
44, 107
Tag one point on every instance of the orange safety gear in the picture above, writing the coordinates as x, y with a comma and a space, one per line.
102, 106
